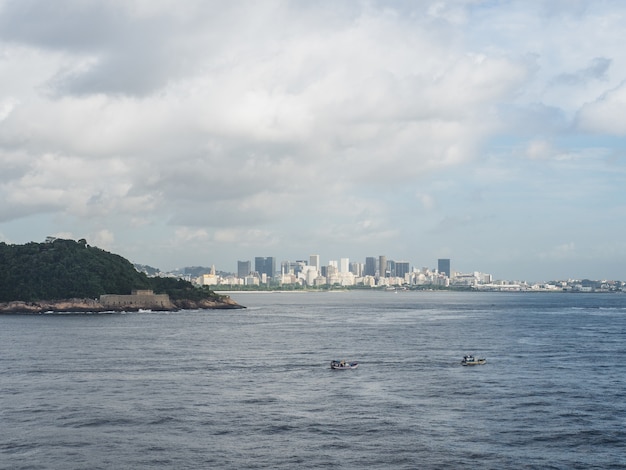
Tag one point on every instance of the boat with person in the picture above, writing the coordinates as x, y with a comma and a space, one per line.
339, 365
470, 360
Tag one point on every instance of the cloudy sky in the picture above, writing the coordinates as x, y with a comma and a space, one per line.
196, 132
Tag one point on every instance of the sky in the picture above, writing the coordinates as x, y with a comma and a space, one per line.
195, 132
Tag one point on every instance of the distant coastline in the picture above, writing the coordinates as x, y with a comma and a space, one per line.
503, 290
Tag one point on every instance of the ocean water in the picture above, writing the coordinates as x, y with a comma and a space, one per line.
253, 388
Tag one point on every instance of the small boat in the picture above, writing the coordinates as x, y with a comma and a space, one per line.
470, 360
340, 365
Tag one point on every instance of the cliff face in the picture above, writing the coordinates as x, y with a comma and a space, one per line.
95, 306
221, 303
67, 305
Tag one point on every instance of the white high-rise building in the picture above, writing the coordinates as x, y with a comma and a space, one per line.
314, 261
308, 275
344, 265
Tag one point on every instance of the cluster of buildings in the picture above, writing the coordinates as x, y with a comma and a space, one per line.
375, 272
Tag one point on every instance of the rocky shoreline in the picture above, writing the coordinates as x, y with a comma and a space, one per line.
94, 306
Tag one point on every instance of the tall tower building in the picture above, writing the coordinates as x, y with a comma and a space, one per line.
243, 269
344, 265
259, 264
443, 266
356, 269
286, 267
402, 268
265, 266
270, 266
314, 261
370, 266
391, 268
382, 266
299, 266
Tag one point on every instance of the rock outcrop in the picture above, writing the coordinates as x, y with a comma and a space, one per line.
95, 306
223, 302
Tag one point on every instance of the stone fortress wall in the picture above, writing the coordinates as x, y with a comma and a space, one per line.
137, 299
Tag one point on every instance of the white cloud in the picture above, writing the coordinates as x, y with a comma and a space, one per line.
539, 150
244, 237
605, 115
6, 107
426, 200
596, 70
104, 239
562, 251
186, 235
292, 123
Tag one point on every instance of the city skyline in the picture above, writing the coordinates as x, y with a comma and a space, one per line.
184, 133
395, 275
441, 265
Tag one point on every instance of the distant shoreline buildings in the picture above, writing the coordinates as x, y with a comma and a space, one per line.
375, 272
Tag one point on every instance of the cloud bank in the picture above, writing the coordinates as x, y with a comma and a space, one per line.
201, 132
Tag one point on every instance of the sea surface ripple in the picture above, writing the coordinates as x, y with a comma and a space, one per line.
253, 389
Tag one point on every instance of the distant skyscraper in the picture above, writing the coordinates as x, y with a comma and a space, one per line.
265, 266
344, 265
299, 266
402, 268
243, 269
370, 266
259, 264
314, 260
270, 266
443, 266
382, 266
356, 269
286, 267
391, 268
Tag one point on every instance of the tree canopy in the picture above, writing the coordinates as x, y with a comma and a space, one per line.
63, 269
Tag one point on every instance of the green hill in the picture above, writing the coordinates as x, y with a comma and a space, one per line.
64, 269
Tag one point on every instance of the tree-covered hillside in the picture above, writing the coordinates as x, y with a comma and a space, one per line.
63, 269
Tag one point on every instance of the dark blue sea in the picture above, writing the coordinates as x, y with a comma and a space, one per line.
252, 388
